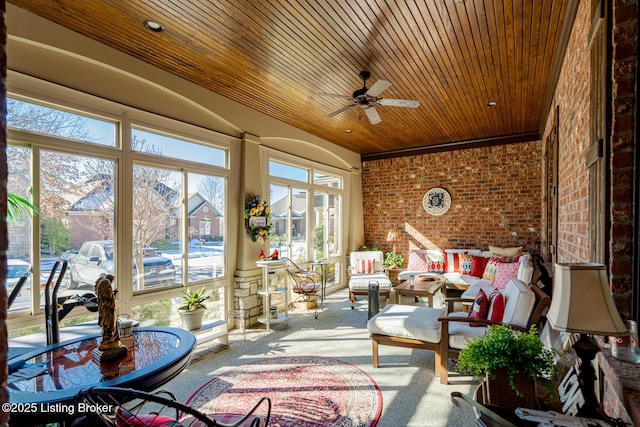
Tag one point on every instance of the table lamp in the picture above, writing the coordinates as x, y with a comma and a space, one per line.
582, 303
392, 236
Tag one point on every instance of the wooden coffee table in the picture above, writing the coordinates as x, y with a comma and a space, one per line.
421, 288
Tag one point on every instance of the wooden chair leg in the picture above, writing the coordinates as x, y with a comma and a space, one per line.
444, 353
437, 362
374, 353
352, 297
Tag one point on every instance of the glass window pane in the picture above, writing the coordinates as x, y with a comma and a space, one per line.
19, 229
206, 226
165, 312
327, 180
159, 145
157, 197
76, 219
48, 121
289, 172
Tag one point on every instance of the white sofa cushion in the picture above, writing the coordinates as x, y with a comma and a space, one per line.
361, 281
461, 332
376, 256
519, 303
407, 321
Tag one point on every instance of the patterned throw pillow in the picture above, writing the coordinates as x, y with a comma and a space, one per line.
491, 269
417, 261
478, 264
505, 271
496, 306
435, 262
466, 263
366, 266
479, 308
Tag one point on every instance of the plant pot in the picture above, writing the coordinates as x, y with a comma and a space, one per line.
192, 320
498, 392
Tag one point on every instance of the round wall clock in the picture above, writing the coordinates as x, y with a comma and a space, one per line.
436, 201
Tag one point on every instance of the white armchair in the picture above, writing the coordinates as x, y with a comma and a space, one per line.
365, 266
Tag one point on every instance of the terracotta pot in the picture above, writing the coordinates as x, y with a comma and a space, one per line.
498, 392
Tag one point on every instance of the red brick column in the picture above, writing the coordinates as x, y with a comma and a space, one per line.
623, 141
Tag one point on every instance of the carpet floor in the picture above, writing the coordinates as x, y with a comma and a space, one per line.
411, 394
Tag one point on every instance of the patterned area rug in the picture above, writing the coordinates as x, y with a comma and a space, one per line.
305, 391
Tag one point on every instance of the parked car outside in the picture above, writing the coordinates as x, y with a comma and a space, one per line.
96, 257
16, 269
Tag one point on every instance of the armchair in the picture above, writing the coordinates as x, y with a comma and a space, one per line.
365, 266
446, 332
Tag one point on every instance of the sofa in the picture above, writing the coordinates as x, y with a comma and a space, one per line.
467, 268
366, 267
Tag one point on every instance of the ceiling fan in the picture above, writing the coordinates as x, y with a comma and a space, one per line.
367, 98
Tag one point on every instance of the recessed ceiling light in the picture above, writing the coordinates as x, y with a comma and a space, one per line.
153, 26
492, 104
348, 131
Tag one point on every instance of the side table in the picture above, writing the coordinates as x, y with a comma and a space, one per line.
421, 288
272, 266
392, 273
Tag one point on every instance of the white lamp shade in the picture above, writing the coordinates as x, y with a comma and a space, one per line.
582, 301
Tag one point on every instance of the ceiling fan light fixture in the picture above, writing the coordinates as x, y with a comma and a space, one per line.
154, 26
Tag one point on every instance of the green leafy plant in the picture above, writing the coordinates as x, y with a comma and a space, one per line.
372, 248
193, 299
15, 206
392, 260
501, 347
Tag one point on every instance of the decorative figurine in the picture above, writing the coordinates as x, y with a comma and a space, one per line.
274, 255
110, 347
261, 255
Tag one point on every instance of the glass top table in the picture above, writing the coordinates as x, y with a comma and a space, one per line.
154, 356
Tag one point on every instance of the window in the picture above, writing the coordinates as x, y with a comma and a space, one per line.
167, 193
306, 216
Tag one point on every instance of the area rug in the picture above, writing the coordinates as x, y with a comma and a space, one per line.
305, 391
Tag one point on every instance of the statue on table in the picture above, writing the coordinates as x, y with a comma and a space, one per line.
110, 347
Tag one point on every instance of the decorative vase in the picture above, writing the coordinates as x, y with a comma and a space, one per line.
192, 320
498, 391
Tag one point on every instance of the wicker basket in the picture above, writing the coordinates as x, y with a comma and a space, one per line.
498, 393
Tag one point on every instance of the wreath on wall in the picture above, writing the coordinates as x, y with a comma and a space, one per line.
256, 219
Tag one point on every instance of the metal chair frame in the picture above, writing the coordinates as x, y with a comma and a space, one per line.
305, 283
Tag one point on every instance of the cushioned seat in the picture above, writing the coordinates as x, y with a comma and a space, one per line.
408, 321
365, 267
445, 331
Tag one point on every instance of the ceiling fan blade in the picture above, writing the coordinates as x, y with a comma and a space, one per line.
335, 113
334, 95
378, 87
409, 103
372, 114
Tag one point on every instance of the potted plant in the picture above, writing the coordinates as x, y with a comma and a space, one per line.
393, 260
511, 362
192, 309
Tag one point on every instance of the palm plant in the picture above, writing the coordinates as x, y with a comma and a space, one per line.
15, 206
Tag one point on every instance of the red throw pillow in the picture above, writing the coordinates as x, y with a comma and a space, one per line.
479, 308
478, 264
496, 306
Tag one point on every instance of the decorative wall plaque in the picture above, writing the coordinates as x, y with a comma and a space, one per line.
436, 201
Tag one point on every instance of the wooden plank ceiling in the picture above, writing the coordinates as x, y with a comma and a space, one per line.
275, 56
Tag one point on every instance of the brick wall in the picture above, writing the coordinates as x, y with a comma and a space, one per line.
495, 198
625, 56
571, 100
